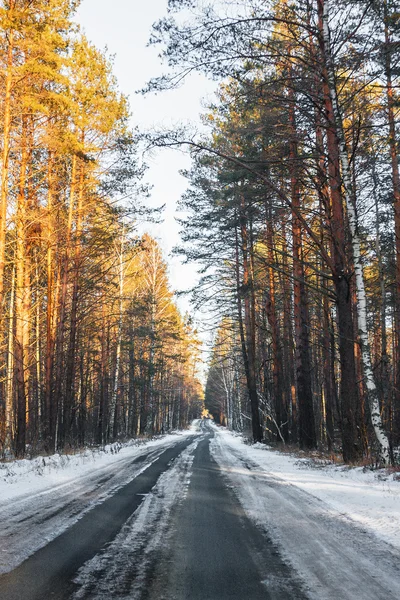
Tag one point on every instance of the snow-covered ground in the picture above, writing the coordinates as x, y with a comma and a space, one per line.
337, 527
371, 498
42, 497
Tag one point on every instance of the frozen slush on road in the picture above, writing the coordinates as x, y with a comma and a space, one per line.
41, 498
200, 515
330, 524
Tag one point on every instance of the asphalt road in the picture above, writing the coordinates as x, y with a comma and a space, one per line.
212, 551
50, 571
215, 552
169, 525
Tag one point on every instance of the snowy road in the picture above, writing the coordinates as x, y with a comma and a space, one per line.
190, 517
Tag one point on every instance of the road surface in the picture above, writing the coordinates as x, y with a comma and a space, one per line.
174, 527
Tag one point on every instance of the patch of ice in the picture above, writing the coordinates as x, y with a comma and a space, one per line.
120, 571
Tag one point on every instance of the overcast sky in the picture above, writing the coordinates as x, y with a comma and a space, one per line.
123, 26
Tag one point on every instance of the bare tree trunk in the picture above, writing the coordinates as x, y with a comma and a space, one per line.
307, 435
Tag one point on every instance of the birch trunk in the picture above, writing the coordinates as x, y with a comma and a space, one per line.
372, 392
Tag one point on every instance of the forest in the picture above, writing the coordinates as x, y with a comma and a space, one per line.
199, 299
93, 348
293, 212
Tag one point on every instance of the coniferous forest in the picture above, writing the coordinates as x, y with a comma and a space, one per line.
200, 300
92, 346
293, 210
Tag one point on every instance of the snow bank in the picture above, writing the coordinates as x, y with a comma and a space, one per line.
41, 498
371, 498
32, 476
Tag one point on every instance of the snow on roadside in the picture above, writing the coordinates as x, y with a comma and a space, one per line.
371, 498
32, 476
324, 522
41, 498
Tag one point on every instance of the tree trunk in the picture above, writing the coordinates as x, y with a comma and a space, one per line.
10, 368
372, 392
277, 370
58, 409
307, 435
393, 147
69, 399
341, 278
50, 416
114, 395
22, 317
5, 154
245, 333
288, 344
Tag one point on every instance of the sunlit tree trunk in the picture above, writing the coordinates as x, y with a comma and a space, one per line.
49, 408
6, 151
9, 425
22, 316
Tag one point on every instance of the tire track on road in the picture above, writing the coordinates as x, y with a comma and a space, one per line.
49, 572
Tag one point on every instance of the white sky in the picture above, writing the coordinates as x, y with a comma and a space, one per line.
124, 26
